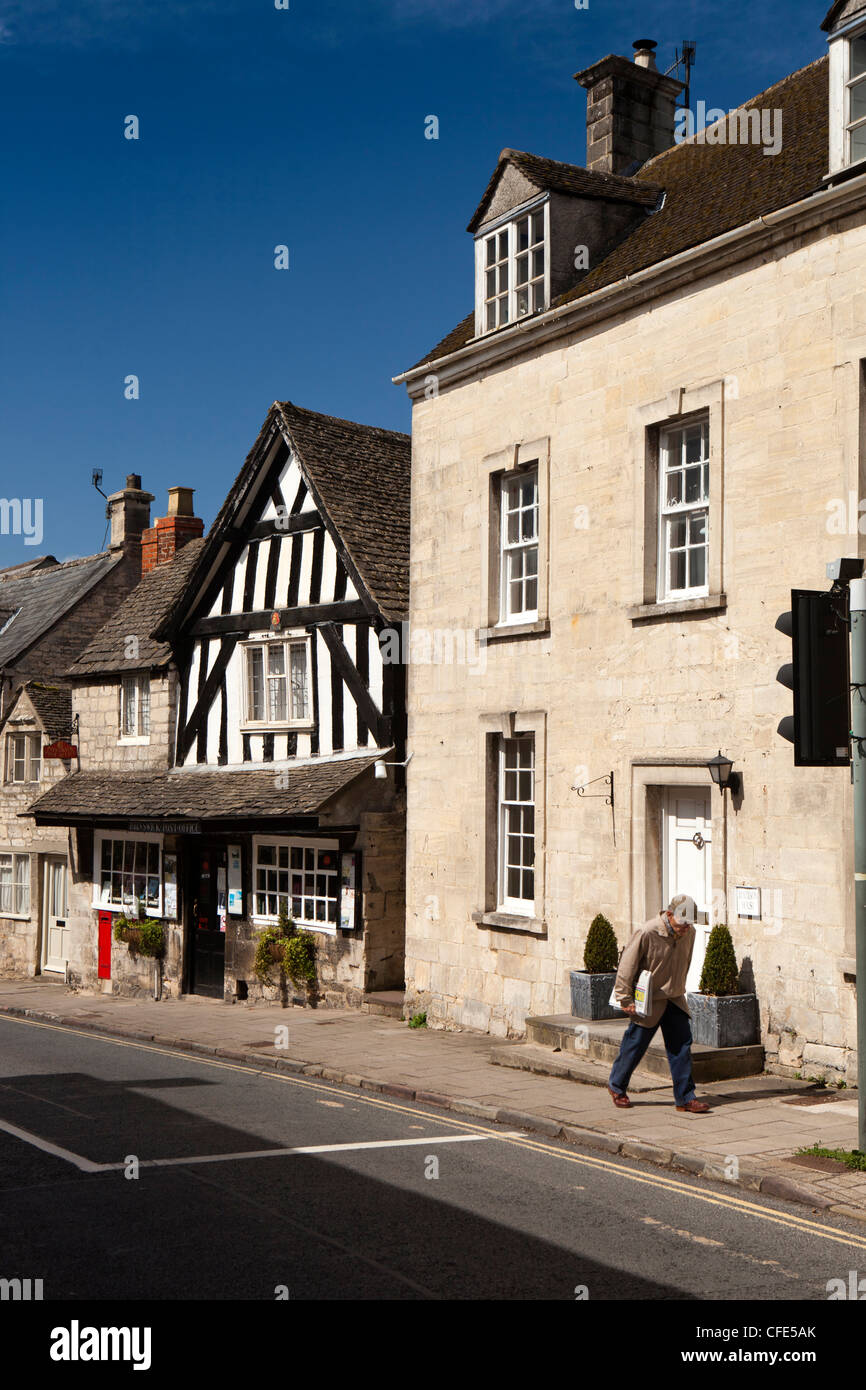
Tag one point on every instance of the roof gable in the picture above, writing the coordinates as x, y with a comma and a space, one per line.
530, 174
358, 477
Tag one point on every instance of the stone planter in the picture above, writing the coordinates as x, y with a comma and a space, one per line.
725, 1020
590, 993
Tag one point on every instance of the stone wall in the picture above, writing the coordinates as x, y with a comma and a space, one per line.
98, 705
776, 347
21, 938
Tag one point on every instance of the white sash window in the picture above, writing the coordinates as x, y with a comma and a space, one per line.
15, 885
516, 892
519, 548
684, 476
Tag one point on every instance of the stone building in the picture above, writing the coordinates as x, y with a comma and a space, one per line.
242, 732
49, 611
624, 459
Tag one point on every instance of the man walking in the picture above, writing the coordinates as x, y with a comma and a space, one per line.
664, 947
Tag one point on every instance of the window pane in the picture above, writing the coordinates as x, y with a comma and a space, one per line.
523, 234
503, 278
858, 143
267, 854
503, 311
675, 488
144, 706
693, 484
678, 532
5, 882
678, 569
858, 101
697, 568
35, 758
106, 856
523, 301
491, 283
127, 701
537, 226
537, 263
522, 270
858, 57
491, 316
538, 296
276, 660
299, 681
503, 246
255, 677
491, 251
698, 529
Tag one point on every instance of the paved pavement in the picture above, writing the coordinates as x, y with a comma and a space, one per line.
749, 1138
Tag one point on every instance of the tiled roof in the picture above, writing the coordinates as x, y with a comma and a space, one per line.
138, 616
570, 179
53, 706
40, 597
210, 796
362, 476
712, 189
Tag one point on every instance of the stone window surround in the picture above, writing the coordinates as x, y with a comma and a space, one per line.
515, 459
492, 727
648, 421
9, 851
9, 770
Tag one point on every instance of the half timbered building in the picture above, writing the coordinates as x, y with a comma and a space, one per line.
273, 777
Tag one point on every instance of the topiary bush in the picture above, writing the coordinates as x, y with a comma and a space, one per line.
720, 974
601, 953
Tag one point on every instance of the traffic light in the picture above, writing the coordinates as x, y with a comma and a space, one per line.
819, 676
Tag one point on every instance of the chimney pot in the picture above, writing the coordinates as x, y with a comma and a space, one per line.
645, 55
170, 533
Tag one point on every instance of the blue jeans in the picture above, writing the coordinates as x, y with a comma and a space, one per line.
677, 1034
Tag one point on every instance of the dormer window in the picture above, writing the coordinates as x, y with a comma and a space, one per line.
512, 270
855, 114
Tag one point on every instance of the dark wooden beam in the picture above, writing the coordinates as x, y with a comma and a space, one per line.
198, 718
350, 611
282, 526
372, 717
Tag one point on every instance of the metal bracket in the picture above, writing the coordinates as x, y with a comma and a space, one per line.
596, 796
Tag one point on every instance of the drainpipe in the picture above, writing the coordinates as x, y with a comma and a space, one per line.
857, 590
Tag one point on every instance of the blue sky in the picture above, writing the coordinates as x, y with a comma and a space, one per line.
260, 127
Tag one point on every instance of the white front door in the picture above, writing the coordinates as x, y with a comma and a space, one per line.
55, 930
687, 862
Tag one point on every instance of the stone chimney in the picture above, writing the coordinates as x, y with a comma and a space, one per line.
630, 110
129, 514
170, 533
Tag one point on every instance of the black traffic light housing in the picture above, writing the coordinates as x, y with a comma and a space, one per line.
819, 676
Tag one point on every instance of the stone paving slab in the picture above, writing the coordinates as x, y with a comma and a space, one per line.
748, 1121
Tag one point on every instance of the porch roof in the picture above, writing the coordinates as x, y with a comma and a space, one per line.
221, 795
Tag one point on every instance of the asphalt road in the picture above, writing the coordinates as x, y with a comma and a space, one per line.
399, 1202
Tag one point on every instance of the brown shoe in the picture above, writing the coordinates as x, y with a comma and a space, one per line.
621, 1101
695, 1107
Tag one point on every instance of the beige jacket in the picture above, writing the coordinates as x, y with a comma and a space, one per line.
653, 947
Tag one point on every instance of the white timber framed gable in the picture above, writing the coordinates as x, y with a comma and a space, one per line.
283, 659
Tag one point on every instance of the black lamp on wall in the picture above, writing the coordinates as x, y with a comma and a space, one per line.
720, 770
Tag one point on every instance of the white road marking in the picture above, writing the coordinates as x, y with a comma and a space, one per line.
87, 1165
47, 1147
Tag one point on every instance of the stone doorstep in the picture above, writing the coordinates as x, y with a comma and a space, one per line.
533, 1058
602, 1041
